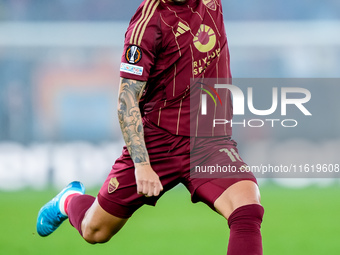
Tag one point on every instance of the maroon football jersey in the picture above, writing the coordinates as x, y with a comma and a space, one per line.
176, 49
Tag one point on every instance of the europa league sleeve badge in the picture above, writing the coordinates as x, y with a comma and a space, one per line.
133, 54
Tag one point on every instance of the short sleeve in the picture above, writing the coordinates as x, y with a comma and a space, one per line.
142, 39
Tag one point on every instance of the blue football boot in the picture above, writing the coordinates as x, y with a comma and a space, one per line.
52, 214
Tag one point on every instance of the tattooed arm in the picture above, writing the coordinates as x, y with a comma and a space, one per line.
130, 121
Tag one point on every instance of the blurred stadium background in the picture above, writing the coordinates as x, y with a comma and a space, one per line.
59, 74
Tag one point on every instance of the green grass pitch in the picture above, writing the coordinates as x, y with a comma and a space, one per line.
297, 221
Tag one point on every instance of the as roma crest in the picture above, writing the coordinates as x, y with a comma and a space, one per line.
210, 4
113, 185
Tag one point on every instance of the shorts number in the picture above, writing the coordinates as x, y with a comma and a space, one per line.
233, 155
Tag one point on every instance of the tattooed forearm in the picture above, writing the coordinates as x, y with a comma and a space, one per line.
130, 119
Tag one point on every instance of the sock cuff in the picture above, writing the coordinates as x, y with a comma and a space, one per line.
63, 200
252, 212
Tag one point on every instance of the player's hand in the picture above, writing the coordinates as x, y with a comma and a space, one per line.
148, 183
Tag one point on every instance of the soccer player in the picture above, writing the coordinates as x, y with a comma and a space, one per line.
174, 50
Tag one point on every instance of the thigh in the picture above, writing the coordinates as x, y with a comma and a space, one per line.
216, 193
97, 220
217, 177
241, 193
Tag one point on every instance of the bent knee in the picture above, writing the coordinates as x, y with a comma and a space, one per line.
96, 235
98, 226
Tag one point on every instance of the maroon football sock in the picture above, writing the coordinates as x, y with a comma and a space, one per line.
67, 200
245, 235
77, 207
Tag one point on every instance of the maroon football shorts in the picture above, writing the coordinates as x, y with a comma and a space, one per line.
172, 157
